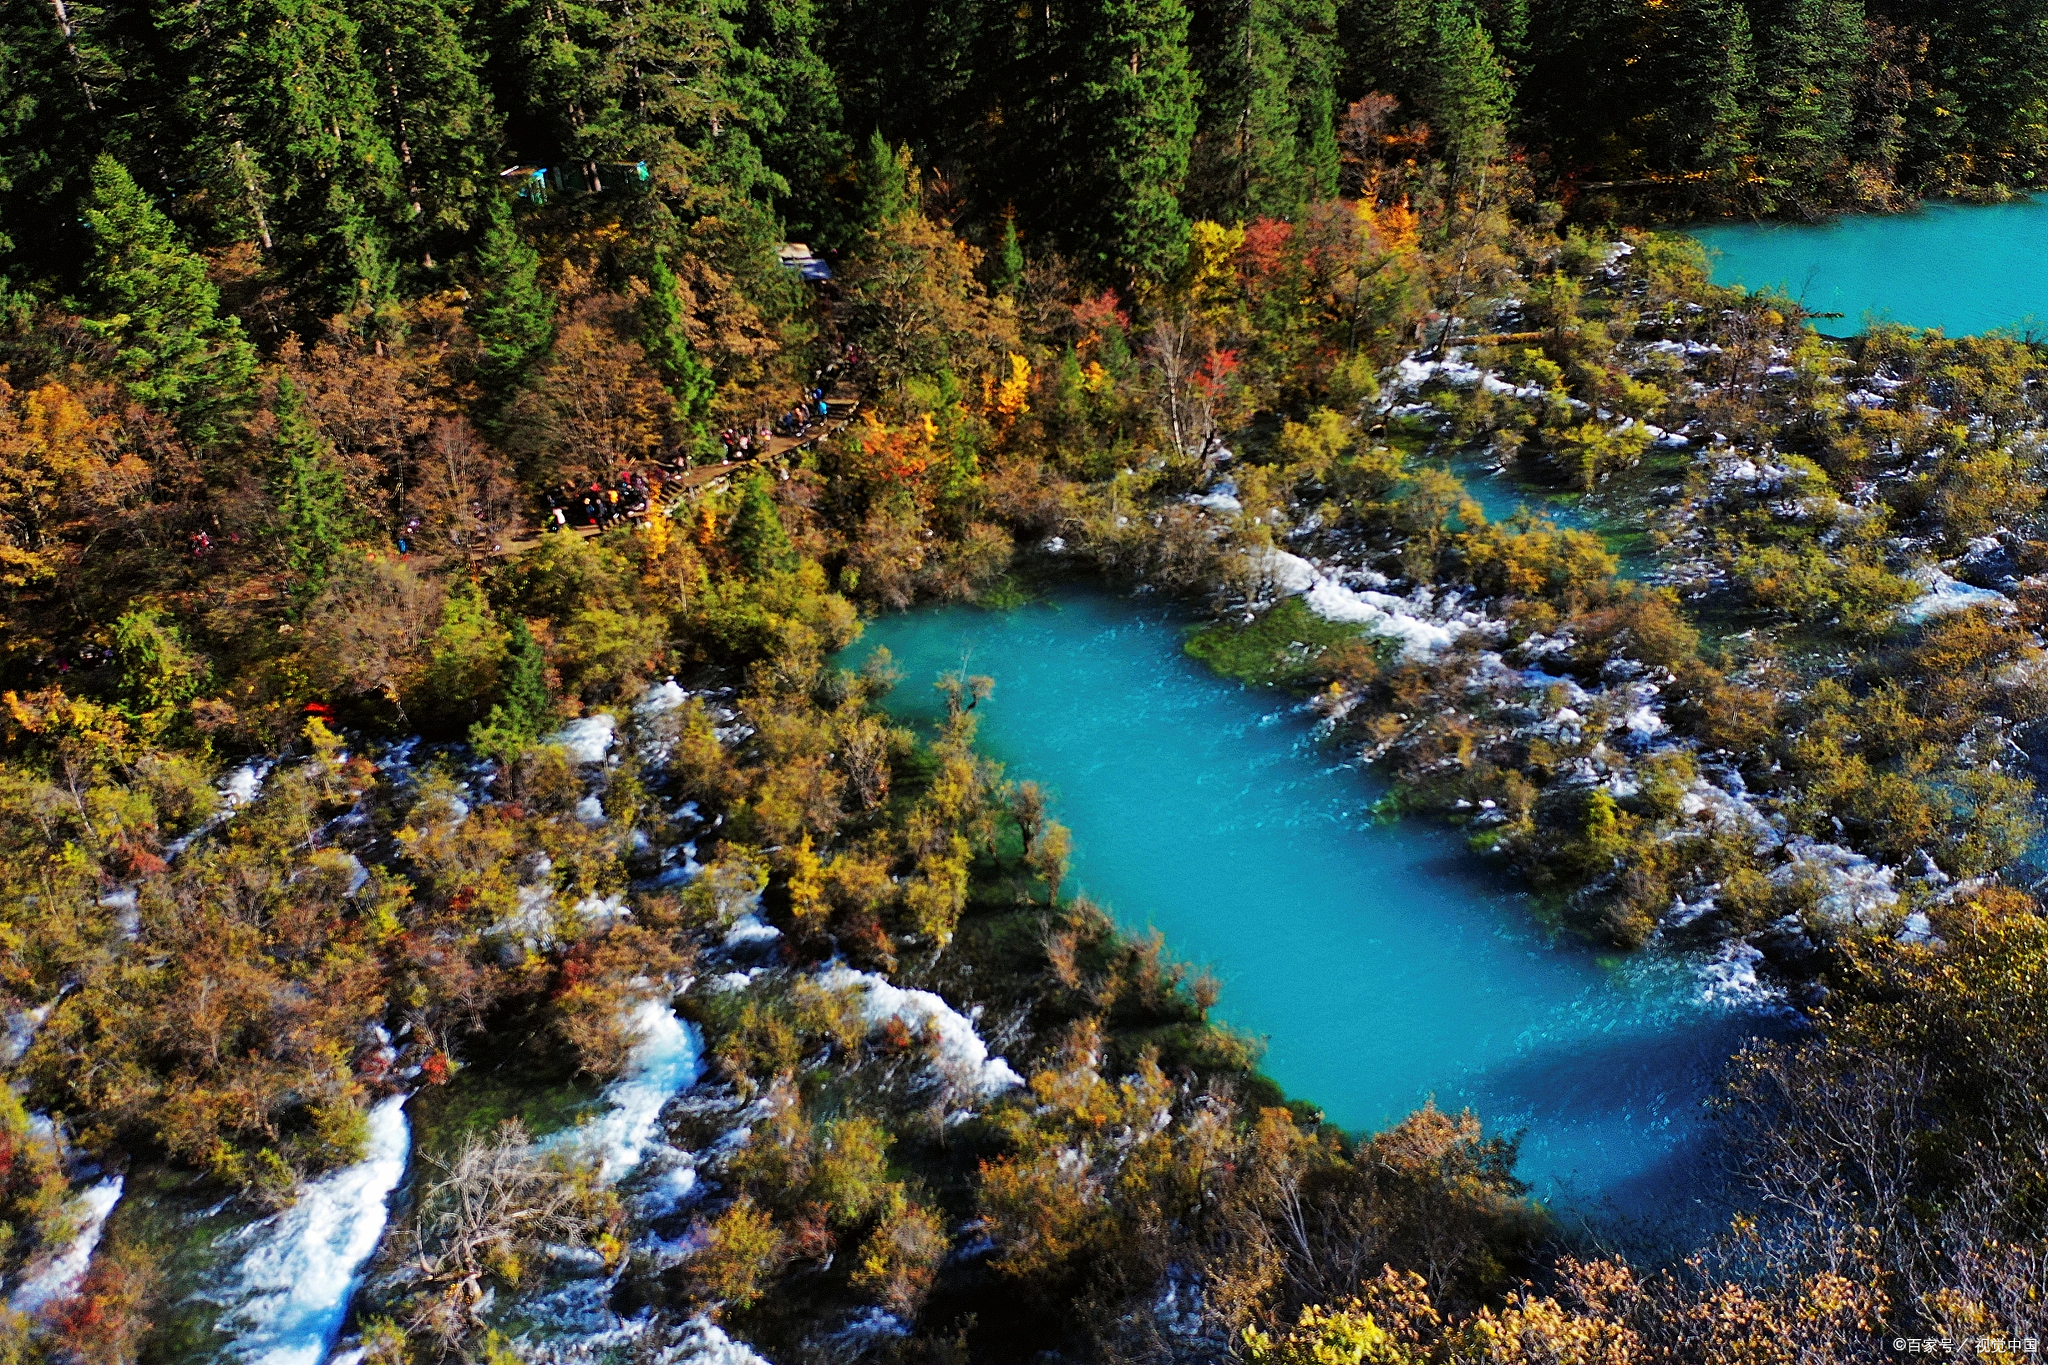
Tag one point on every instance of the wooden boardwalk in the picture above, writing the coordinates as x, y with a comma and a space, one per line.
839, 412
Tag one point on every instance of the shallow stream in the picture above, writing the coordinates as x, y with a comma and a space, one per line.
1385, 963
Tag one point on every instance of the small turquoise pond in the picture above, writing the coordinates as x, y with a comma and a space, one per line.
1384, 963
1965, 268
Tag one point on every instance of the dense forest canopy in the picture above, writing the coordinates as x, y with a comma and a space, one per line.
444, 447
359, 148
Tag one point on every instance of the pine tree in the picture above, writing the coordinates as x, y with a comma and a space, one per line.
1706, 91
662, 92
1507, 24
1383, 46
961, 58
1468, 93
57, 87
1008, 275
1132, 129
524, 707
756, 536
666, 340
888, 184
789, 96
1808, 80
282, 112
1269, 139
514, 318
152, 301
1993, 81
316, 519
432, 108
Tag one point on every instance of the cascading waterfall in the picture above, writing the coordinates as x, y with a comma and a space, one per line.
65, 1272
667, 1059
291, 1290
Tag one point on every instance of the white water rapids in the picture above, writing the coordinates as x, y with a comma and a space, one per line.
291, 1289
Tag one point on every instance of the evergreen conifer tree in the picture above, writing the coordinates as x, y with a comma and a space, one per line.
58, 84
433, 109
888, 184
666, 341
153, 302
1008, 275
788, 93
1807, 77
1507, 24
1469, 92
285, 113
1132, 130
524, 707
1707, 91
756, 536
1269, 142
316, 519
514, 317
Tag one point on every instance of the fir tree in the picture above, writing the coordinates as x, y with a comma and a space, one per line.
1507, 25
1269, 142
1469, 92
756, 535
57, 85
433, 109
788, 93
524, 707
285, 109
660, 89
316, 518
1132, 129
666, 340
155, 305
1808, 79
1708, 91
1008, 275
1384, 45
888, 184
514, 317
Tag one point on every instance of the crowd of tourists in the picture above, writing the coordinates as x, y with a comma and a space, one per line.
630, 497
602, 505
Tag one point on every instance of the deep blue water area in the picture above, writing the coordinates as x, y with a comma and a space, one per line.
1385, 963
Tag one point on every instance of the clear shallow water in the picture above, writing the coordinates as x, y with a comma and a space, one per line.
1383, 963
1965, 268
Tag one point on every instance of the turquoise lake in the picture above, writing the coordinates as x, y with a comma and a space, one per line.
1383, 963
1965, 268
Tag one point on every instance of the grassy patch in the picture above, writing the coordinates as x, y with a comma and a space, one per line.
1277, 649
480, 1098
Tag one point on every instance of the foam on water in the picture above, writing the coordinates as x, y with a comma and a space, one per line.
60, 1278
667, 1059
957, 1050
292, 1287
1410, 622
589, 739
1941, 595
